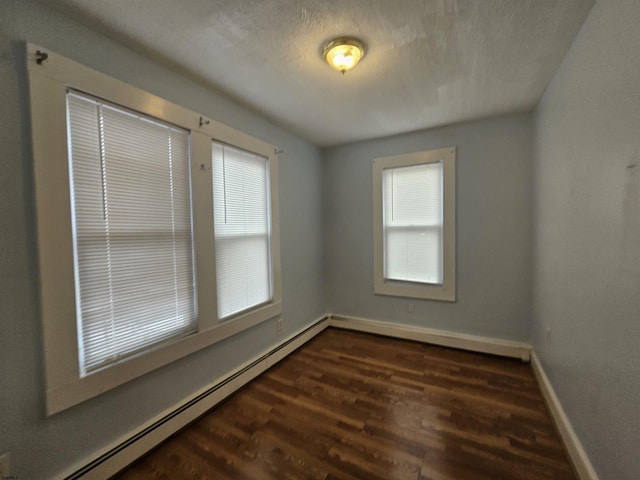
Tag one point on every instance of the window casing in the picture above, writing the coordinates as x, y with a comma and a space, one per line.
414, 225
173, 216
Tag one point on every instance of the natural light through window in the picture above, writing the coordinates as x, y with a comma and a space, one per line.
133, 245
158, 229
414, 225
412, 222
241, 214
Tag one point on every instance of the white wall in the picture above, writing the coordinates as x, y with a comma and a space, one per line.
494, 226
587, 236
41, 446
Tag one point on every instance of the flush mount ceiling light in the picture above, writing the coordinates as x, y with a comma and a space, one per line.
343, 53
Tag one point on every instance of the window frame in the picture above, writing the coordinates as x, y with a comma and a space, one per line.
382, 286
102, 229
48, 82
267, 234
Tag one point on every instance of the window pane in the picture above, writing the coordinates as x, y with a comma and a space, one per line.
241, 223
132, 231
413, 255
412, 223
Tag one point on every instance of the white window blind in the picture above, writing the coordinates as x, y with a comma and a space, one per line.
242, 229
133, 248
413, 223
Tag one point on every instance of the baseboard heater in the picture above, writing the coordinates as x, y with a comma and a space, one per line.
189, 404
114, 458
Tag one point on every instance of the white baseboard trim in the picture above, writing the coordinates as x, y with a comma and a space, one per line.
574, 448
127, 449
494, 346
113, 458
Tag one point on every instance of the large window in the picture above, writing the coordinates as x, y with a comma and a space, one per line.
414, 225
145, 210
133, 246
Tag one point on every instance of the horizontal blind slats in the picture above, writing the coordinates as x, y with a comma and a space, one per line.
241, 223
413, 223
132, 231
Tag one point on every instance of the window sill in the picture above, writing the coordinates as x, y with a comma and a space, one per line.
443, 293
82, 389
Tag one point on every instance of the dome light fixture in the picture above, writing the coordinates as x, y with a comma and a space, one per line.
343, 53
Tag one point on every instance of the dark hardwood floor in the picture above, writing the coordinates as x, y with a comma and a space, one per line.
356, 406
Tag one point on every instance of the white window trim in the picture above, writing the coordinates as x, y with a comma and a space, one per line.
446, 291
49, 82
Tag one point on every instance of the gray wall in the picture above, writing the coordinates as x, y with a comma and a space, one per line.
584, 235
42, 446
494, 225
587, 237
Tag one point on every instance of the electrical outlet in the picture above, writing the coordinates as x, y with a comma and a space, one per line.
280, 324
5, 466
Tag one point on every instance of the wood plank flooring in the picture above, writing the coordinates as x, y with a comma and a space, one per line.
355, 406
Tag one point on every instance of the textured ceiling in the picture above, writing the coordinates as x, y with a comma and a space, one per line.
428, 63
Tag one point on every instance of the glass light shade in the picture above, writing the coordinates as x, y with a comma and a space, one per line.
343, 53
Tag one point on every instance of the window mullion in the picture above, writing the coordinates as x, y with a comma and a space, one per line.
202, 198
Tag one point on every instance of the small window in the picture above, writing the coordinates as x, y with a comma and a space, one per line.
414, 225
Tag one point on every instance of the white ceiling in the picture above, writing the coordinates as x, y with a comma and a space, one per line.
428, 62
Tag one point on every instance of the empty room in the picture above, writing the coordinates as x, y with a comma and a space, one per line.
311, 239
